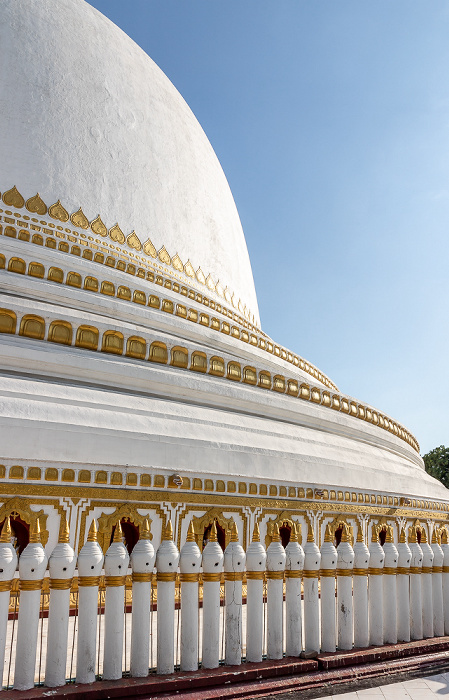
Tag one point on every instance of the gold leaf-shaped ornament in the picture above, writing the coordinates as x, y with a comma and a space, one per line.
98, 227
13, 198
149, 248
58, 212
116, 234
164, 256
188, 267
177, 263
79, 219
35, 205
133, 241
227, 295
210, 283
200, 276
219, 289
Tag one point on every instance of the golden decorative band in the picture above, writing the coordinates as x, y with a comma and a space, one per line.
437, 570
293, 573
209, 578
415, 569
189, 578
327, 573
375, 572
390, 571
85, 581
144, 577
311, 574
61, 584
31, 585
360, 572
255, 575
426, 569
275, 575
114, 581
344, 572
5, 586
233, 576
403, 571
445, 569
170, 576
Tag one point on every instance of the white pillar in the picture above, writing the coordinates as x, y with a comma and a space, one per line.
189, 565
403, 589
212, 569
312, 562
32, 565
327, 579
256, 558
445, 548
437, 587
234, 564
390, 589
142, 563
275, 596
426, 583
116, 563
360, 591
345, 564
416, 631
90, 564
375, 590
167, 560
8, 564
293, 603
62, 564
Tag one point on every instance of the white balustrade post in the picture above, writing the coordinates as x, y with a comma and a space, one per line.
390, 589
327, 577
403, 589
345, 565
189, 566
375, 590
445, 548
90, 564
8, 564
415, 586
312, 562
167, 560
360, 591
275, 596
426, 582
62, 564
142, 564
293, 604
437, 587
116, 563
256, 558
234, 564
212, 569
32, 566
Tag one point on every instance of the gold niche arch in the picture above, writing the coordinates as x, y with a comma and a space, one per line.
107, 522
338, 523
284, 519
22, 507
201, 523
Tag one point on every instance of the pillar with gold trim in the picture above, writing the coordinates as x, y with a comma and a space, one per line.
345, 565
403, 589
445, 548
360, 591
327, 599
189, 565
234, 565
375, 590
426, 583
312, 563
142, 564
32, 566
8, 564
416, 631
293, 604
61, 564
390, 589
275, 596
116, 562
212, 570
90, 564
256, 558
167, 560
437, 586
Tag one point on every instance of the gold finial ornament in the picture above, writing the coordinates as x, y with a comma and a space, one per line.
145, 534
402, 536
35, 532
444, 539
92, 535
374, 534
116, 234
327, 534
190, 533
293, 533
118, 533
345, 534
359, 534
168, 531
6, 531
310, 536
133, 241
13, 198
256, 533
79, 219
213, 533
35, 205
434, 536
389, 534
412, 535
234, 532
57, 211
64, 533
98, 227
423, 536
275, 537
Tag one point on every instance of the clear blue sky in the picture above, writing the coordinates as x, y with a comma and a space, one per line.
331, 121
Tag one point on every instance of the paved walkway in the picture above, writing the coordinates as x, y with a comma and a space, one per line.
428, 688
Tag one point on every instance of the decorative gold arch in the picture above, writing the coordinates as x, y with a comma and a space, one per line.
284, 518
202, 522
339, 522
125, 512
22, 507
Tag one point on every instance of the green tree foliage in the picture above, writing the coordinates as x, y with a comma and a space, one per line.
437, 464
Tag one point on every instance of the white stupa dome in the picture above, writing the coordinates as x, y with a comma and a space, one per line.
96, 124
